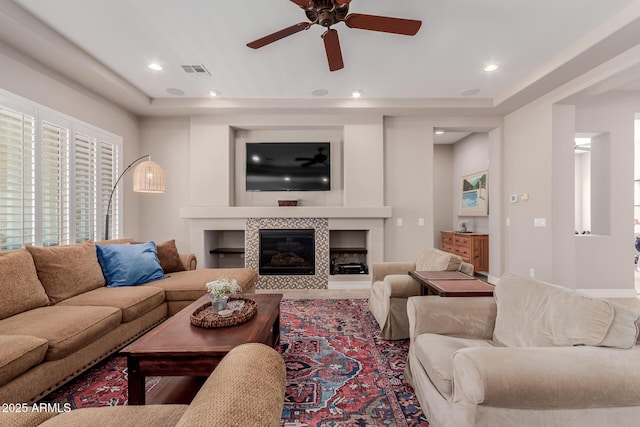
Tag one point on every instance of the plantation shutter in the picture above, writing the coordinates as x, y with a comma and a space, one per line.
17, 186
54, 184
107, 178
85, 188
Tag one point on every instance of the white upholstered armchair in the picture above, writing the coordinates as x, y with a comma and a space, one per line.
392, 285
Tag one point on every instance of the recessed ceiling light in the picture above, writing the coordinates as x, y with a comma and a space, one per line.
491, 67
155, 67
214, 93
319, 92
356, 94
439, 132
470, 91
175, 91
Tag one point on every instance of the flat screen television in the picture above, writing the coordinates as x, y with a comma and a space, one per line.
288, 166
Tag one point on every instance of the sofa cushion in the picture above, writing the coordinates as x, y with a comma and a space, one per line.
190, 285
129, 265
151, 415
66, 329
67, 270
19, 353
20, 287
134, 301
531, 313
431, 259
435, 353
168, 256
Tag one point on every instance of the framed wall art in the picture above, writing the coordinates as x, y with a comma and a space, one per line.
474, 199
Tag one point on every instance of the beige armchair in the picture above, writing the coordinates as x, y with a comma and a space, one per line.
392, 285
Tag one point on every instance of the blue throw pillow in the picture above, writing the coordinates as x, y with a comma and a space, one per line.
129, 265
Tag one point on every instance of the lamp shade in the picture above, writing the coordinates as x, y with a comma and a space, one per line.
148, 177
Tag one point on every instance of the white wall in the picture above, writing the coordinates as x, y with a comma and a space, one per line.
443, 191
168, 139
540, 160
408, 186
527, 169
29, 79
470, 155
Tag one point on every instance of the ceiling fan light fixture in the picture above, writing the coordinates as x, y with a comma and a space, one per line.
490, 67
155, 66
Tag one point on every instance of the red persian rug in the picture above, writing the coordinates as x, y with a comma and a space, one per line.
339, 371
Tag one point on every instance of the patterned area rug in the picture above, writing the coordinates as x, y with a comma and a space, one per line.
339, 371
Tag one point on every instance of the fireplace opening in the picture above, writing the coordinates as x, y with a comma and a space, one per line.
287, 252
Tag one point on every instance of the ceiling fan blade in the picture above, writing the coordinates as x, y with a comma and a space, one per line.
334, 53
386, 24
274, 37
305, 4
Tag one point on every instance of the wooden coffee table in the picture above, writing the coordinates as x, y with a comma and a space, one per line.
177, 348
451, 284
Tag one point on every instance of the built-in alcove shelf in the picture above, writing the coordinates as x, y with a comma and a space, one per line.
348, 250
227, 251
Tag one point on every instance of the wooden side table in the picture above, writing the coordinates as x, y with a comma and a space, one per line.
451, 284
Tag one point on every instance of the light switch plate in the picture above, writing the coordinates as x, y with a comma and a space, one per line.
513, 198
540, 222
399, 222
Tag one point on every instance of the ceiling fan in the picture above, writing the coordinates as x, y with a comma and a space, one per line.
330, 12
319, 158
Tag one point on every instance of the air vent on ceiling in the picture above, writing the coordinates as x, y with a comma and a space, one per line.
198, 69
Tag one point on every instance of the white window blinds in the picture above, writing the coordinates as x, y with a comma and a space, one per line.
56, 174
85, 188
108, 175
17, 188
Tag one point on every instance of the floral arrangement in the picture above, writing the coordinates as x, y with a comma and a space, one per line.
222, 287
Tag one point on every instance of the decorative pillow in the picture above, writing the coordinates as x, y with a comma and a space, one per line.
129, 265
169, 257
19, 285
67, 270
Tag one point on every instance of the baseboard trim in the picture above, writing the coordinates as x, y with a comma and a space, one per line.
609, 293
349, 285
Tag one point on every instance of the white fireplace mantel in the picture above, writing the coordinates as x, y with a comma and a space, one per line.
206, 212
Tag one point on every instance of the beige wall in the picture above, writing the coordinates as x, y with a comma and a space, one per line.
408, 186
29, 79
539, 160
443, 189
470, 155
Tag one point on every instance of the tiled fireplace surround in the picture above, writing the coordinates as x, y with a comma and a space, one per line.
323, 220
317, 281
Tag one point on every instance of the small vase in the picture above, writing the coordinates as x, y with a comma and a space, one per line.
218, 304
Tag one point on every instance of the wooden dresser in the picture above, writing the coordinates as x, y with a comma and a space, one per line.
472, 247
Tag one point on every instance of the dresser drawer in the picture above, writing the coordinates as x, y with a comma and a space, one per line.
446, 247
447, 239
462, 251
461, 241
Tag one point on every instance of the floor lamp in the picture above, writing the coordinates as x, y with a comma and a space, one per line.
148, 177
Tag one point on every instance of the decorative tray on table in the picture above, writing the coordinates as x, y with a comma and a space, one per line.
242, 310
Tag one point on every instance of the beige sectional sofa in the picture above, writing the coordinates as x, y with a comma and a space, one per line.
246, 389
57, 317
535, 354
392, 285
